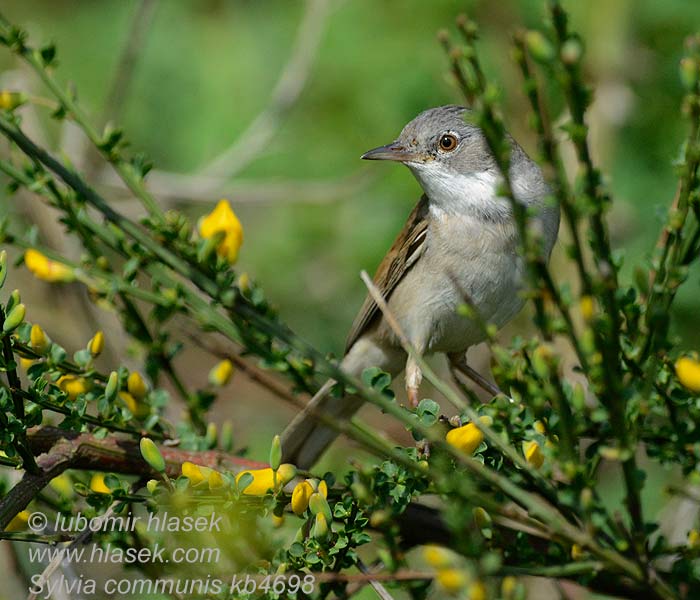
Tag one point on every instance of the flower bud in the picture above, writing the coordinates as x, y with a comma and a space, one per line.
3, 267
152, 455
96, 344
223, 220
14, 318
211, 435
227, 436
276, 453
689, 72
152, 485
539, 46
451, 580
38, 339
286, 473
320, 530
300, 497
437, 556
46, 269
318, 504
112, 386
215, 481
477, 591
11, 100
97, 484
468, 437
533, 453
136, 385
571, 51
221, 373
72, 385
19, 521
688, 373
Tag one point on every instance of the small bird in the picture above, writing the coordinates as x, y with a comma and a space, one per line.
460, 243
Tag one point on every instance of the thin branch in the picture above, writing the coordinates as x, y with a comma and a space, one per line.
255, 138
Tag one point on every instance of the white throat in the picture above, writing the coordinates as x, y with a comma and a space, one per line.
459, 193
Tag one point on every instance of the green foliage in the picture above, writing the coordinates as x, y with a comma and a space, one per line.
514, 485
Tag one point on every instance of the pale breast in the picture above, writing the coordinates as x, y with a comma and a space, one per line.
464, 257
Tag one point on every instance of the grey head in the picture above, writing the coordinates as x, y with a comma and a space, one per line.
451, 160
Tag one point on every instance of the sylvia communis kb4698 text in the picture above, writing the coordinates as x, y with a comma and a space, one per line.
460, 242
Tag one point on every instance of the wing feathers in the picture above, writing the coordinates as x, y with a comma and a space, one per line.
406, 249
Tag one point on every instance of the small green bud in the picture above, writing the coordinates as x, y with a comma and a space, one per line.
319, 505
3, 267
112, 386
320, 528
227, 436
571, 51
14, 318
152, 455
689, 71
152, 485
211, 435
539, 46
276, 453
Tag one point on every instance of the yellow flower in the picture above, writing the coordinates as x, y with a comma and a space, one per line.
588, 308
46, 269
25, 363
277, 522
533, 454
195, 473
198, 474
10, 100
451, 580
62, 485
300, 497
19, 521
694, 539
223, 219
97, 484
688, 372
477, 591
215, 480
96, 344
138, 409
508, 587
37, 337
264, 479
320, 529
467, 438
577, 553
136, 385
73, 385
221, 373
437, 556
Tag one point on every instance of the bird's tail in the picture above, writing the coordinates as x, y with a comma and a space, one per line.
306, 438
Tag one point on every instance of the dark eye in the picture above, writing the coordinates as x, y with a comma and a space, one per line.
448, 142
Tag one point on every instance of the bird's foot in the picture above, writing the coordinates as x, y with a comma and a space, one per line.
412, 396
413, 378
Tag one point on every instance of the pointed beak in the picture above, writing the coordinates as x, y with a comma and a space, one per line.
393, 151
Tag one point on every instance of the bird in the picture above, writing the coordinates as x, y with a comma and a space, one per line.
460, 243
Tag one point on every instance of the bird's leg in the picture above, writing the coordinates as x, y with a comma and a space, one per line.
458, 362
413, 378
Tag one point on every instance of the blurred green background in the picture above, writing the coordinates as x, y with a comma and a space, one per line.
314, 215
208, 67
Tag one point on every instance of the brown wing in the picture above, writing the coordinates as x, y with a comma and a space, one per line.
407, 247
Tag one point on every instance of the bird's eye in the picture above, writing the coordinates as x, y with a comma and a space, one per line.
448, 142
